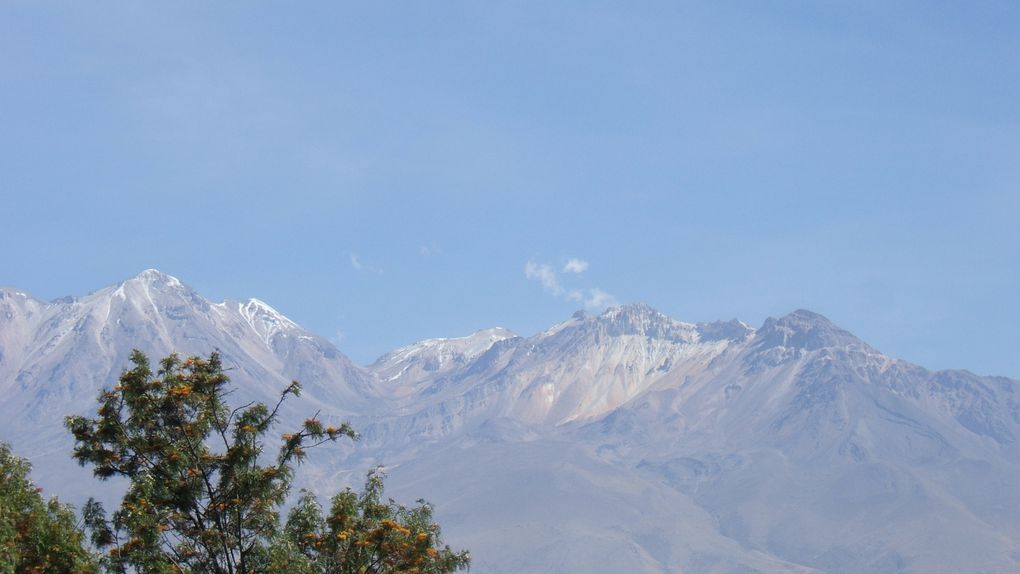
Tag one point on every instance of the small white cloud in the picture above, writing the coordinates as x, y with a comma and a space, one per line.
575, 265
544, 274
593, 298
599, 299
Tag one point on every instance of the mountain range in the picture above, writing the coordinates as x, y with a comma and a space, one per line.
626, 441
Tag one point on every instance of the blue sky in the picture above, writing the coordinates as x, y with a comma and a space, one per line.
383, 172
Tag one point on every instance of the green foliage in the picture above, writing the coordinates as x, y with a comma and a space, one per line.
36, 536
362, 533
202, 498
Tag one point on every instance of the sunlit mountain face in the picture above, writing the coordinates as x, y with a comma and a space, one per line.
621, 442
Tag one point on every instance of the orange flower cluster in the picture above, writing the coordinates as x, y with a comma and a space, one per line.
394, 525
344, 534
181, 391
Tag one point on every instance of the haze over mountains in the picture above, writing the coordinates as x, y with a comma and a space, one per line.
622, 442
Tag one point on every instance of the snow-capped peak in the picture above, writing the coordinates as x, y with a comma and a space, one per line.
263, 319
467, 347
147, 283
433, 355
11, 293
157, 278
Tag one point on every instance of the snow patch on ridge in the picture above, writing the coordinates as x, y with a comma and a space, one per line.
263, 319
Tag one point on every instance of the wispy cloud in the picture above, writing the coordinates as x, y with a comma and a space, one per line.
546, 275
338, 338
599, 299
575, 265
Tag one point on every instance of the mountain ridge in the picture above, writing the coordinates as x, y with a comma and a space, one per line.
793, 447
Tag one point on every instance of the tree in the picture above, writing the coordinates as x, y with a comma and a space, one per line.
36, 535
204, 498
362, 533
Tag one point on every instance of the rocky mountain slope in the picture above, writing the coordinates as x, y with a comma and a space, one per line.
56, 356
627, 441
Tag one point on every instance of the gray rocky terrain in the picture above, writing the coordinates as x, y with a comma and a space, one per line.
621, 442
